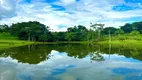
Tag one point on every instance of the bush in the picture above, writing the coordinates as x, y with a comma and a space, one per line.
121, 38
138, 39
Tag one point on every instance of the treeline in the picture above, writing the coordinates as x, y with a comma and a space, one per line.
35, 31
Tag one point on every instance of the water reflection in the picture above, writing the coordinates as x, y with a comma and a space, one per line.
70, 62
34, 54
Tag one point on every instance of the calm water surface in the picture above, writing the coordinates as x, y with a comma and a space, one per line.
70, 62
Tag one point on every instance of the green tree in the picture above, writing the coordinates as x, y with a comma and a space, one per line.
127, 28
79, 28
98, 28
90, 35
110, 30
59, 36
72, 36
4, 28
134, 33
31, 30
77, 33
119, 32
44, 38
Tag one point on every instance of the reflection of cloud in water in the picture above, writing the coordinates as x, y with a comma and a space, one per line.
62, 67
137, 77
124, 71
7, 72
132, 74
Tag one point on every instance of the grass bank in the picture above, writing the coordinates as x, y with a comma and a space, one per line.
130, 44
13, 43
124, 41
8, 41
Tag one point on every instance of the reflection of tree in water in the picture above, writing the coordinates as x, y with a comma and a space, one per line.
81, 51
32, 55
36, 53
135, 52
128, 53
96, 56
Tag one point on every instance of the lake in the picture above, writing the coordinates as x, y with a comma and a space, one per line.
70, 62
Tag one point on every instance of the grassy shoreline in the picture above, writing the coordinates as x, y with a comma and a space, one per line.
13, 43
4, 43
130, 44
8, 41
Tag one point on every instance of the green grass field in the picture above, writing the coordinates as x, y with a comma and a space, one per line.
123, 37
7, 41
126, 41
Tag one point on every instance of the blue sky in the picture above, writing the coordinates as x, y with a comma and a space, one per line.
61, 14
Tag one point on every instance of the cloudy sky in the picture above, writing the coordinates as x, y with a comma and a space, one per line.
61, 14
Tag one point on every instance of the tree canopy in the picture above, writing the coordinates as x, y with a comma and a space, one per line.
36, 31
32, 31
127, 28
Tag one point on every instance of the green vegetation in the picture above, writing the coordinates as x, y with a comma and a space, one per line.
33, 54
130, 44
7, 36
12, 43
7, 41
35, 31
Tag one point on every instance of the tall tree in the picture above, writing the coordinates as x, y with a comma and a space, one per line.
98, 28
31, 30
4, 28
77, 33
112, 30
127, 28
119, 32
135, 33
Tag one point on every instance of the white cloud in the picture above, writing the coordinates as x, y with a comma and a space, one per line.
140, 5
78, 67
7, 8
81, 12
66, 2
46, 15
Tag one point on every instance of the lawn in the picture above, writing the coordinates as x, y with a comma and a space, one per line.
126, 41
7, 41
